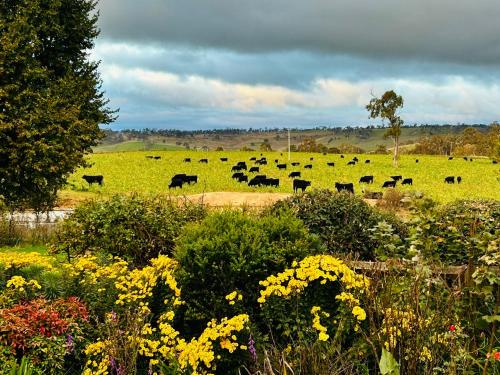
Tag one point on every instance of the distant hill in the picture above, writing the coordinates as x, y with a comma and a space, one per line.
367, 138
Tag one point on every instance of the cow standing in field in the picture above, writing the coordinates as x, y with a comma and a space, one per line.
300, 184
352, 162
274, 182
396, 178
367, 161
407, 181
308, 166
330, 164
223, 159
203, 161
257, 180
295, 163
243, 178
281, 166
294, 174
416, 160
349, 187
449, 179
187, 160
98, 179
450, 158
366, 180
175, 183
237, 175
389, 184
254, 170
459, 179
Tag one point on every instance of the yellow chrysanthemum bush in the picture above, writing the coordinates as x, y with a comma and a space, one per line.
322, 298
139, 332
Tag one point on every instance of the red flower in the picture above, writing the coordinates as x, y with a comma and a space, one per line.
496, 355
452, 328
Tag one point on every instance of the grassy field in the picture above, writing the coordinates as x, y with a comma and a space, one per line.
132, 172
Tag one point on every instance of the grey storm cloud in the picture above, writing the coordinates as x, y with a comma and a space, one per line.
452, 31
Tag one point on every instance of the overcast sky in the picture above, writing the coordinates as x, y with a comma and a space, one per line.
202, 64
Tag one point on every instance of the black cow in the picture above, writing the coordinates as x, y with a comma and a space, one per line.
388, 184
352, 162
276, 161
93, 179
459, 179
243, 178
187, 160
345, 187
366, 180
311, 159
180, 176
355, 159
191, 179
261, 162
449, 179
465, 158
470, 159
341, 156
295, 163
253, 158
294, 174
241, 163
300, 184
274, 182
397, 178
237, 175
450, 158
331, 164
203, 161
367, 161
149, 157
308, 166
495, 162
257, 180
407, 181
237, 168
176, 183
157, 157
223, 159
254, 169
416, 160
281, 166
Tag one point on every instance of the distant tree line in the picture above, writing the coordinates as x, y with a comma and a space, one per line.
470, 142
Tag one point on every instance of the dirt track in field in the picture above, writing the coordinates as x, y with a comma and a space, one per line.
237, 199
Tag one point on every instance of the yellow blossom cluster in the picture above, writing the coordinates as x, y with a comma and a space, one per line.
425, 354
233, 296
325, 268
20, 283
398, 321
322, 330
319, 267
97, 359
19, 260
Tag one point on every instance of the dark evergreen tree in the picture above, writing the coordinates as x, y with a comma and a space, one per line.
51, 101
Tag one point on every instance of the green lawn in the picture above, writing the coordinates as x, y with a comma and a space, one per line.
41, 249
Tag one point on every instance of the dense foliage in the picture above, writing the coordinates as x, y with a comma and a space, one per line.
51, 103
134, 228
232, 251
342, 221
257, 293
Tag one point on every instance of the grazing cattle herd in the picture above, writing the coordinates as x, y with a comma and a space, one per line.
241, 168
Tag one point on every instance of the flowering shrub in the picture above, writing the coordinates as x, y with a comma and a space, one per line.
14, 260
28, 325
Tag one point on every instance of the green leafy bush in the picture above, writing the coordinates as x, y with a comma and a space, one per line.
458, 233
232, 251
342, 221
132, 227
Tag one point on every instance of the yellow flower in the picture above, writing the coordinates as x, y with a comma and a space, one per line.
359, 313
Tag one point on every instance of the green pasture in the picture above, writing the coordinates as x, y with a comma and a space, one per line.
128, 172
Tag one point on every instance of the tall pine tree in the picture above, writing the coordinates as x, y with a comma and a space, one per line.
51, 102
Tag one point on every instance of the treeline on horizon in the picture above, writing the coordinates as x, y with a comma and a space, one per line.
233, 131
